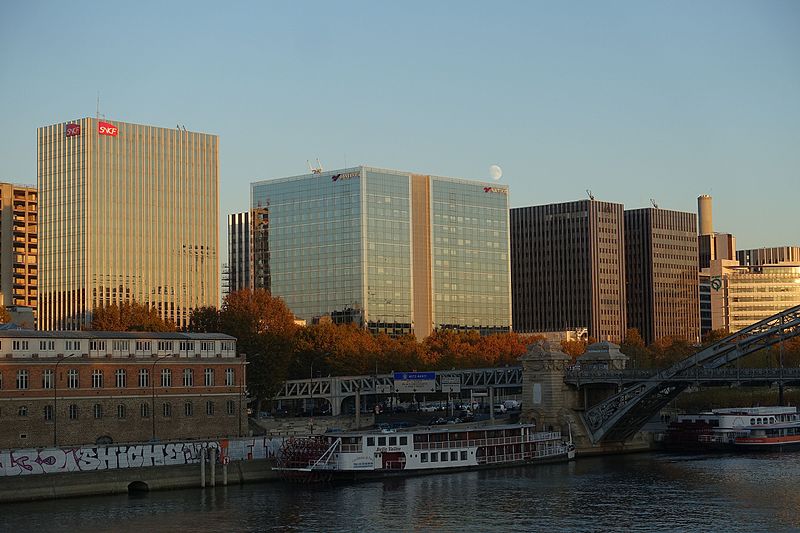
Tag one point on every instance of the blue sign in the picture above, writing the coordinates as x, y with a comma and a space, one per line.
414, 376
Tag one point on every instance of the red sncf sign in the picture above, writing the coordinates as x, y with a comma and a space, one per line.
72, 130
104, 128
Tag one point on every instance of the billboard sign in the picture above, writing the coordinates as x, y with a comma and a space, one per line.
105, 128
72, 130
411, 382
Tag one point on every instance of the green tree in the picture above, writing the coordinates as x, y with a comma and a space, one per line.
129, 316
205, 320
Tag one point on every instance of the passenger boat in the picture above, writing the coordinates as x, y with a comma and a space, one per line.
369, 454
736, 429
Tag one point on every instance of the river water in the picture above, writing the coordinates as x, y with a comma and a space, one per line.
641, 492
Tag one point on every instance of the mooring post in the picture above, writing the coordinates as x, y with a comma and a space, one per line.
212, 464
224, 473
203, 468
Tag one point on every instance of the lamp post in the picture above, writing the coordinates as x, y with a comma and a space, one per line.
241, 392
153, 393
55, 399
311, 392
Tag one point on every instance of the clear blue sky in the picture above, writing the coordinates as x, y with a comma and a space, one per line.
631, 99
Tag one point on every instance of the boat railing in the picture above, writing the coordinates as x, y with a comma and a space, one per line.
350, 448
512, 457
471, 443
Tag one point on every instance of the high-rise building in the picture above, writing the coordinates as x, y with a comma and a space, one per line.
392, 251
743, 295
239, 256
661, 273
127, 212
18, 245
769, 256
711, 245
568, 268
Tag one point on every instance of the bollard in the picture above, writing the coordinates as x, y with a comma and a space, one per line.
212, 463
225, 472
203, 468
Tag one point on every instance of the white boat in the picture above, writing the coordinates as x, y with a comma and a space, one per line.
362, 454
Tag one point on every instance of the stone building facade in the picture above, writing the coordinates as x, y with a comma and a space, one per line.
73, 388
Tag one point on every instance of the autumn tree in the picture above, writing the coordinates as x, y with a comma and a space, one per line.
669, 350
5, 316
633, 346
129, 316
205, 319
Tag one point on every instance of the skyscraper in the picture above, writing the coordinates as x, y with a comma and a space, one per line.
126, 212
239, 256
661, 270
392, 251
568, 268
18, 245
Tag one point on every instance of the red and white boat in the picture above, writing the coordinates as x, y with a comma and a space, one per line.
369, 454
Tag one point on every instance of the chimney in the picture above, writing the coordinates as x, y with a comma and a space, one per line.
704, 215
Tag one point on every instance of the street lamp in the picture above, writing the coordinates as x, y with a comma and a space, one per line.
241, 392
55, 399
153, 393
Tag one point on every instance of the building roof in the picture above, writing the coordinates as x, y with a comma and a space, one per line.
173, 335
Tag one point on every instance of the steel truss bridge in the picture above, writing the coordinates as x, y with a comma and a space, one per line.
620, 416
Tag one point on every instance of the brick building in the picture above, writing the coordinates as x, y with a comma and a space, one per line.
82, 387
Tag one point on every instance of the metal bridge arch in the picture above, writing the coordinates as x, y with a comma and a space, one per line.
620, 416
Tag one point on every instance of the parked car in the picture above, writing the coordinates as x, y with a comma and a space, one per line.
512, 404
437, 421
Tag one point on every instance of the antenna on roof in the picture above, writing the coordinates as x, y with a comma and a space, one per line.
315, 170
589, 192
652, 201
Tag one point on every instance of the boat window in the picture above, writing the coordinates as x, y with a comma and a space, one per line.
381, 441
772, 420
454, 456
434, 457
752, 421
423, 457
444, 456
403, 441
464, 455
370, 441
392, 441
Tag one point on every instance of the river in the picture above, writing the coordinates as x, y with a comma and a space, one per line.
641, 492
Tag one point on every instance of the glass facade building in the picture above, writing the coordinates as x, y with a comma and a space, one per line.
126, 212
391, 251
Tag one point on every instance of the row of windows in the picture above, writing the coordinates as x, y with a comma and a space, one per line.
445, 456
141, 346
122, 411
121, 378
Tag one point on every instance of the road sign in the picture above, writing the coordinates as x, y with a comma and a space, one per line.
451, 383
383, 389
412, 382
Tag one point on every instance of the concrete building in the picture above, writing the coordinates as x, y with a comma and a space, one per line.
65, 388
239, 254
769, 256
661, 274
392, 251
19, 246
711, 245
568, 268
742, 295
127, 212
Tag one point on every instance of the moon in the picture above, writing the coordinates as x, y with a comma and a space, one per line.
495, 172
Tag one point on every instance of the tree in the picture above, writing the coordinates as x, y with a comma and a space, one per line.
5, 316
205, 320
633, 346
129, 316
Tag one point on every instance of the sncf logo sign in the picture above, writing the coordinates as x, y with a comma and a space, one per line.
498, 190
104, 128
72, 130
345, 176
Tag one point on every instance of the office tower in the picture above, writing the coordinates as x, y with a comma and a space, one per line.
127, 212
661, 273
391, 251
769, 256
239, 256
712, 245
568, 268
18, 245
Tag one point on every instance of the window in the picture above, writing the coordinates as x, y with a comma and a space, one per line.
166, 377
228, 346
73, 345
143, 346
96, 345
72, 379
187, 346
454, 456
48, 412
47, 379
403, 441
230, 407
188, 377
144, 410
206, 346
22, 379
98, 410
20, 345
164, 346
121, 411
73, 411
381, 441
370, 441
434, 457
209, 408
392, 441
208, 374
121, 346
464, 455
23, 410
423, 457
167, 409
97, 379
144, 377
47, 346
188, 409
121, 378
229, 379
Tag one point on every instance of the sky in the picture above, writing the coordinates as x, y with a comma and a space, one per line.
632, 100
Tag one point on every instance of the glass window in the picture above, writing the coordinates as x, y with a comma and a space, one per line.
22, 379
144, 377
463, 455
209, 408
229, 380
166, 377
208, 374
392, 441
423, 457
144, 410
48, 412
403, 441
230, 407
454, 456
97, 379
434, 457
97, 409
188, 377
188, 409
381, 441
121, 378
370, 441
444, 456
121, 411
72, 379
167, 409
23, 410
